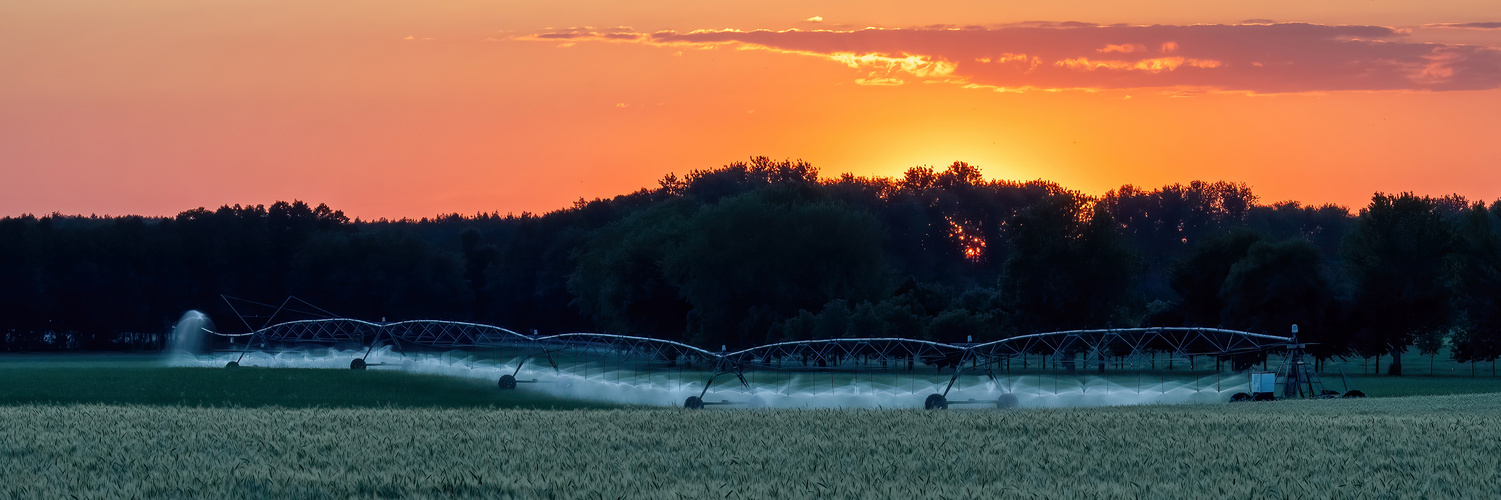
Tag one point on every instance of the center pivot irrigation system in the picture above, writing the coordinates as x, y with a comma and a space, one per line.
1116, 346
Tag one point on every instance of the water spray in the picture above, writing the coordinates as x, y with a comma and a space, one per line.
858, 372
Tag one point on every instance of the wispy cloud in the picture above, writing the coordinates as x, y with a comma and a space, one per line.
1259, 58
1473, 26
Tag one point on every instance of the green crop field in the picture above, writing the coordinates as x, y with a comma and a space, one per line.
147, 382
111, 429
1433, 446
252, 387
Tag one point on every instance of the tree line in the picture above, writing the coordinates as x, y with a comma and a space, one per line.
765, 250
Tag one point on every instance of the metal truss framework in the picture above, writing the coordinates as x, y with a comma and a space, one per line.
428, 333
1130, 344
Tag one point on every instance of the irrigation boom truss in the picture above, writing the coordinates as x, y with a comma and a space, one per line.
456, 335
1064, 347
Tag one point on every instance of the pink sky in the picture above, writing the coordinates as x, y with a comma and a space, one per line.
396, 109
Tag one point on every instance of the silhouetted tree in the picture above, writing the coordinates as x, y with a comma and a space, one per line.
384, 275
1281, 284
1069, 269
1163, 224
1199, 276
478, 257
619, 282
749, 261
1478, 253
751, 251
1398, 256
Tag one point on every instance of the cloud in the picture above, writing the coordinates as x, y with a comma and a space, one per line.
1473, 26
814, 19
588, 33
1123, 48
1257, 58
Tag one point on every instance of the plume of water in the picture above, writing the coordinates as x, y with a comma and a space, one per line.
609, 382
189, 334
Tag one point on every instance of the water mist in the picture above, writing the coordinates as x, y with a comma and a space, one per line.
620, 383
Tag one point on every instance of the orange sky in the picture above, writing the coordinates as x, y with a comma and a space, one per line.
154, 107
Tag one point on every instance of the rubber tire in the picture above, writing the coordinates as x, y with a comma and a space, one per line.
232, 364
1006, 401
357, 364
693, 403
507, 382
1355, 393
1263, 396
935, 402
1240, 397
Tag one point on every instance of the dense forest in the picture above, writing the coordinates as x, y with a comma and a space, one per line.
765, 250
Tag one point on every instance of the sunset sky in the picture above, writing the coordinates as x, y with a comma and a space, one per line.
410, 109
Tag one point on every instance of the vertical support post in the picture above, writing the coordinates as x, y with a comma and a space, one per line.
373, 342
1294, 363
955, 378
518, 366
706, 386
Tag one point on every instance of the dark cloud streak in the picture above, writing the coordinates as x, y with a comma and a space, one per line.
1260, 58
1478, 26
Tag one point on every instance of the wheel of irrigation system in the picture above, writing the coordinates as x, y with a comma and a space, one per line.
357, 364
1240, 397
1007, 400
693, 403
1355, 394
232, 364
507, 382
1263, 396
935, 402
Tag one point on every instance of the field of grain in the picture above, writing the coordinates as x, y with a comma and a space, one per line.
1435, 446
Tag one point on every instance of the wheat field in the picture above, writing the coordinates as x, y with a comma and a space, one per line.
1432, 446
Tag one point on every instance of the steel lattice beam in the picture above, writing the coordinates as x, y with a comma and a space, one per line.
828, 353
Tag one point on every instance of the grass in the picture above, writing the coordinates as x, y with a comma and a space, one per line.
116, 379
1434, 446
1415, 385
1441, 363
258, 387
